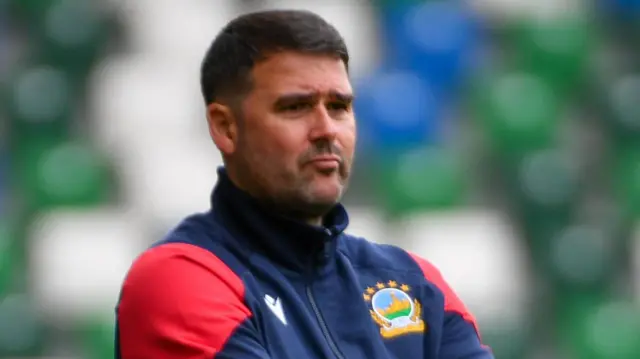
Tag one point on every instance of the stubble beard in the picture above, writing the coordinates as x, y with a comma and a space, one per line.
297, 197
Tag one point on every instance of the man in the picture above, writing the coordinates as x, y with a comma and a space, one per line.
268, 272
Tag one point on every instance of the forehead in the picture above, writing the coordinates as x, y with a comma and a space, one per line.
290, 71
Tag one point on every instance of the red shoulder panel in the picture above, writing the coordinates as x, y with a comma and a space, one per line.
179, 301
452, 303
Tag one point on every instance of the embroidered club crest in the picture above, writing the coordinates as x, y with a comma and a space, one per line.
394, 310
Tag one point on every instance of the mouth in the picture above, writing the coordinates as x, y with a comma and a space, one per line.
326, 162
326, 158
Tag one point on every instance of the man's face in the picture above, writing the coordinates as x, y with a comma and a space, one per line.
297, 133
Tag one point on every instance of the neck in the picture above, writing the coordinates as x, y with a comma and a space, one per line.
290, 212
315, 221
260, 227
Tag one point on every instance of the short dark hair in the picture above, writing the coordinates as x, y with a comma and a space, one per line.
252, 37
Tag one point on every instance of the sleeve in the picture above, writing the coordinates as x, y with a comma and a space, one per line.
179, 301
461, 336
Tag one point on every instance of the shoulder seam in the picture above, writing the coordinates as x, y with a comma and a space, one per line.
214, 245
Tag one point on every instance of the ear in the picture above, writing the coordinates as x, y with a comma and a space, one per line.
223, 127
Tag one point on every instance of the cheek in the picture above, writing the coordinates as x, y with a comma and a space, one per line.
347, 139
273, 146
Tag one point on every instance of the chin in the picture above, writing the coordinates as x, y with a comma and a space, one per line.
327, 197
330, 186
319, 196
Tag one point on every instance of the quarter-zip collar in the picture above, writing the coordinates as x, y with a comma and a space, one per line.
291, 243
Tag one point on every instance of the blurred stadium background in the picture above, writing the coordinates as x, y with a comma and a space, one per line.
498, 138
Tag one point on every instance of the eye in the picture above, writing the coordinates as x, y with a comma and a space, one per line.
296, 107
338, 106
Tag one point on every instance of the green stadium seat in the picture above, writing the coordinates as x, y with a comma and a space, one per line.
39, 102
572, 310
72, 35
599, 328
13, 251
7, 243
97, 338
583, 258
547, 179
420, 180
624, 107
543, 186
627, 180
56, 173
519, 112
507, 340
30, 11
21, 330
557, 48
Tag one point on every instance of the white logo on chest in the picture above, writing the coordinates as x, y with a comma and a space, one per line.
275, 304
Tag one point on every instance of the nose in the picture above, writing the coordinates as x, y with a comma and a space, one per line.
324, 126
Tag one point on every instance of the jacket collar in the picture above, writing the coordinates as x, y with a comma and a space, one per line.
293, 244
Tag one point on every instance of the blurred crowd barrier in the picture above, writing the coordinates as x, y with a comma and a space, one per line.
498, 138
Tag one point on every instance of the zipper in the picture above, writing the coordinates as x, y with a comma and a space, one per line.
323, 325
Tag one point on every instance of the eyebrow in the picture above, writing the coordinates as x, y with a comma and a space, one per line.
342, 97
292, 98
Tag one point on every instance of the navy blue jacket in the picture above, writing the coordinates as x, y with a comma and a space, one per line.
241, 282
